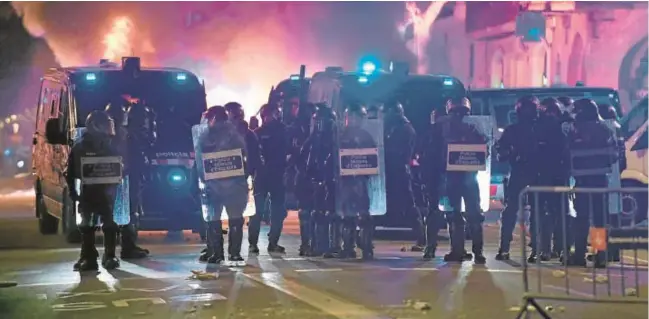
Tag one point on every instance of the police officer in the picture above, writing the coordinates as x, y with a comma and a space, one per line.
298, 133
318, 188
462, 185
236, 116
400, 139
433, 168
230, 192
354, 194
553, 171
97, 196
516, 147
141, 128
269, 179
590, 134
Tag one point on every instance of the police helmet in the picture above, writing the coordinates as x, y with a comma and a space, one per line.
458, 105
527, 108
269, 110
393, 107
551, 107
216, 114
235, 110
117, 112
356, 109
607, 112
566, 102
323, 118
99, 122
588, 111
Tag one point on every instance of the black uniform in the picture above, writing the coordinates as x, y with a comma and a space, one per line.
269, 181
400, 139
97, 193
589, 134
518, 147
316, 184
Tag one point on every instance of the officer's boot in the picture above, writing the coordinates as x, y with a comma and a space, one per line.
477, 236
109, 260
419, 229
349, 238
366, 234
322, 234
235, 236
451, 230
507, 224
305, 233
456, 230
254, 227
88, 258
335, 237
215, 242
129, 249
433, 221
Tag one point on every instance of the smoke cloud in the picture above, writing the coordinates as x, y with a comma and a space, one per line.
239, 49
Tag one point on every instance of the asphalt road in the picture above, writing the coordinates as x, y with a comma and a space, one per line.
395, 285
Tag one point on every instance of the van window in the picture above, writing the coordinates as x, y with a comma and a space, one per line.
634, 120
54, 109
63, 109
43, 106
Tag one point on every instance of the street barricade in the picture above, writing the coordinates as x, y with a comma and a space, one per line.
614, 272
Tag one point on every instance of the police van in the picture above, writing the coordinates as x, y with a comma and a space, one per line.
418, 94
633, 128
499, 104
68, 95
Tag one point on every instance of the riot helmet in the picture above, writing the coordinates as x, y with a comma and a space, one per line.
587, 111
550, 107
607, 112
215, 115
117, 110
566, 103
527, 109
253, 124
270, 113
100, 123
459, 106
354, 114
323, 119
235, 111
393, 109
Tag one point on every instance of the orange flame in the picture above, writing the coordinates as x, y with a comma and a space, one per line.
117, 41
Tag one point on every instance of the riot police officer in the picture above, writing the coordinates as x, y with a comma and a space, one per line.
98, 191
317, 183
141, 128
594, 150
516, 146
230, 191
553, 170
236, 116
269, 178
298, 133
354, 198
400, 139
461, 185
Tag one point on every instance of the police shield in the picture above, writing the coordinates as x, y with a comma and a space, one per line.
104, 170
614, 178
221, 172
473, 158
360, 166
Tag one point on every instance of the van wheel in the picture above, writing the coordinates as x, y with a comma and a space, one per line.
47, 224
69, 221
635, 201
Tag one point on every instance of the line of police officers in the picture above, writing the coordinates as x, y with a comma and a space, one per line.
536, 146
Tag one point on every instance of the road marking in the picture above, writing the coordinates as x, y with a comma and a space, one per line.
198, 298
319, 270
414, 269
320, 300
25, 273
126, 302
571, 291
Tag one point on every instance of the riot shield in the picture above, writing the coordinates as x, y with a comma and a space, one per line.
614, 178
360, 167
223, 170
473, 158
105, 170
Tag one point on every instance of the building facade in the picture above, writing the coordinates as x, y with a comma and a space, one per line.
596, 43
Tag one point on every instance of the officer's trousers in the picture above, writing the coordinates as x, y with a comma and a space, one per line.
509, 216
91, 207
464, 186
276, 194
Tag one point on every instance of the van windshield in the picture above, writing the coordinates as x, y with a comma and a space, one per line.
177, 100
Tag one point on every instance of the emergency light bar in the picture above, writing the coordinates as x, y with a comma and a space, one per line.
91, 77
181, 77
294, 77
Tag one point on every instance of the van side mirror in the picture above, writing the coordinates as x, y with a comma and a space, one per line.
53, 133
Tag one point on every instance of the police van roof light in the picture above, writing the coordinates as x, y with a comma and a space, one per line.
368, 67
448, 82
181, 77
363, 79
294, 77
91, 77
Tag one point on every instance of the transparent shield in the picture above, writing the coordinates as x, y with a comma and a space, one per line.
223, 186
614, 180
360, 167
475, 157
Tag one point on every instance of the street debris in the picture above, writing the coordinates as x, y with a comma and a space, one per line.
202, 275
558, 274
600, 279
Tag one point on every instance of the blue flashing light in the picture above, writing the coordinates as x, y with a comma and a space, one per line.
181, 77
448, 82
363, 79
91, 77
294, 77
20, 164
534, 34
368, 67
176, 178
7, 152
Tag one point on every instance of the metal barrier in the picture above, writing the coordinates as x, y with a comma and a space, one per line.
610, 233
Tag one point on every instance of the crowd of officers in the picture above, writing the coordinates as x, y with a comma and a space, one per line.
537, 148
